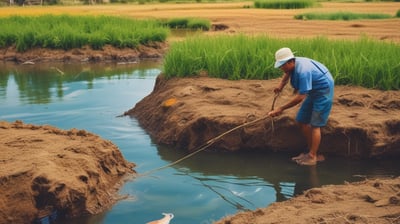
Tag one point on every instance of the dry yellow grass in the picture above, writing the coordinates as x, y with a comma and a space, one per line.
275, 23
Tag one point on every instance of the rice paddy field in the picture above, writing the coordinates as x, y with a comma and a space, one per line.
242, 19
361, 51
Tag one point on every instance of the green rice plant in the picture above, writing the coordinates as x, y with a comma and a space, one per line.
363, 62
189, 23
199, 24
341, 16
67, 32
238, 57
398, 13
177, 23
284, 4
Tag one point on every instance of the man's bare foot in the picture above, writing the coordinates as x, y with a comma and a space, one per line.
299, 157
307, 160
320, 158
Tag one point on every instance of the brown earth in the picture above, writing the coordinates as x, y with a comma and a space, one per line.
85, 54
45, 170
370, 201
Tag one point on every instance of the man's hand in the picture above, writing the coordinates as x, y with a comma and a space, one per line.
275, 112
278, 90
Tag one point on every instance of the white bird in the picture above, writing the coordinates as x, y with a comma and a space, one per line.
165, 220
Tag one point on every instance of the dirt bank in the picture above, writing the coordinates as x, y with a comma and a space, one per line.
370, 201
47, 171
187, 112
85, 54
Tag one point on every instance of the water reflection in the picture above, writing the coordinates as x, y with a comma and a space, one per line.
274, 170
41, 83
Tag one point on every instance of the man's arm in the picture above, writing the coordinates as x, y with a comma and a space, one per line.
282, 84
295, 100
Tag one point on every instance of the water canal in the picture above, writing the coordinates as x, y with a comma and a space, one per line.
199, 190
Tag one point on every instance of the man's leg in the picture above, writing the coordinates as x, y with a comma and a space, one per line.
306, 131
315, 141
313, 138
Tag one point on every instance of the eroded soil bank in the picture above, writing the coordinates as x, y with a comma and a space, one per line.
187, 112
84, 54
47, 171
370, 201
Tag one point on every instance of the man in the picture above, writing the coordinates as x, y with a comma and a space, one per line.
313, 86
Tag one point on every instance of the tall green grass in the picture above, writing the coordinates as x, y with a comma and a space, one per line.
66, 32
284, 4
363, 62
342, 16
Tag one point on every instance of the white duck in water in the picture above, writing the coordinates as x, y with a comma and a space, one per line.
165, 220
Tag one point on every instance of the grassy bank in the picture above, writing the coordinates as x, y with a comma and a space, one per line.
67, 32
364, 62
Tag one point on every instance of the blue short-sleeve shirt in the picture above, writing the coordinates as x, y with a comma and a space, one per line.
314, 79
310, 76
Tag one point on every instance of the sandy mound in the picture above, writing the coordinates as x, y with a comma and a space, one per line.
45, 170
187, 112
371, 201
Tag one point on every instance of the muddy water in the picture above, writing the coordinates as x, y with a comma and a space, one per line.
201, 189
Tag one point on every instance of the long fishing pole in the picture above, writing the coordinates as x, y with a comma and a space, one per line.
212, 141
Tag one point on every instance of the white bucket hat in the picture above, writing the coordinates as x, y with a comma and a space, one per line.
282, 56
